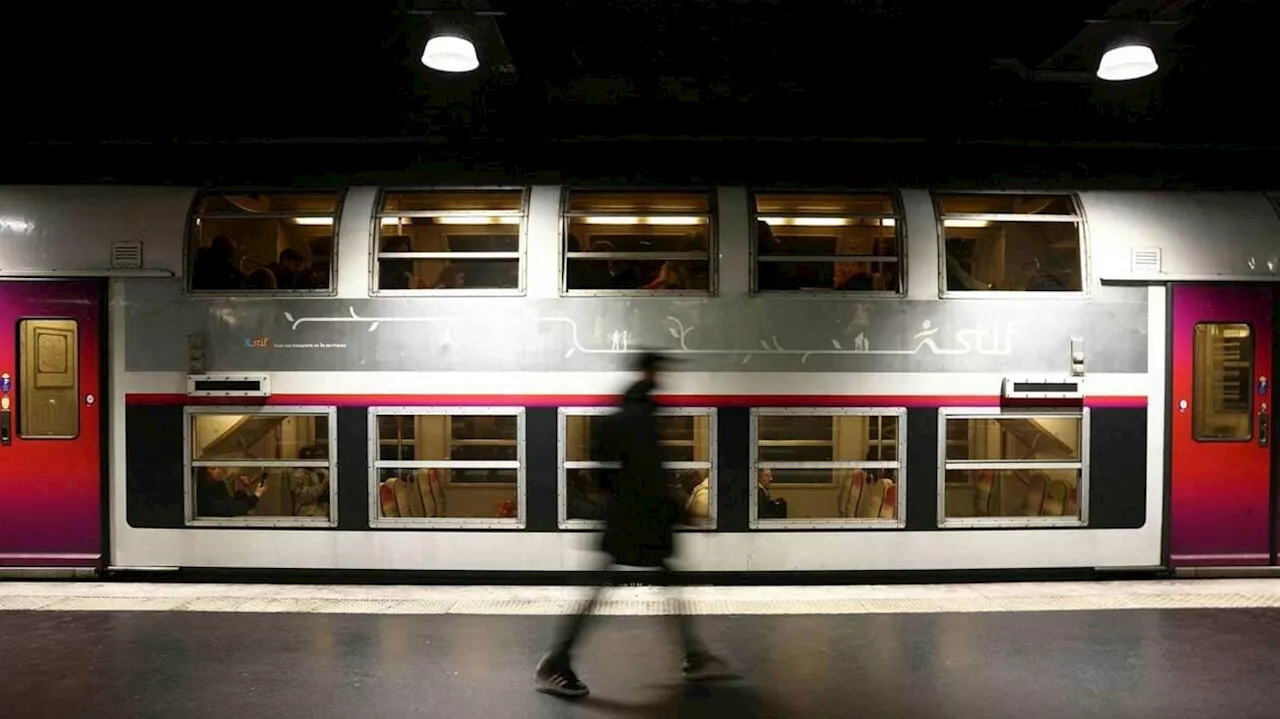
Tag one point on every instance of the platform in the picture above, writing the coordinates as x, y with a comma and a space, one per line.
1204, 648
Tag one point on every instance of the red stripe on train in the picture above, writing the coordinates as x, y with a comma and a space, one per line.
597, 400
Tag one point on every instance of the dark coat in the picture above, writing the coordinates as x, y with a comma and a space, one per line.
642, 513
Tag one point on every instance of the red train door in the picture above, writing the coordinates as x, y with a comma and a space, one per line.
50, 453
1221, 453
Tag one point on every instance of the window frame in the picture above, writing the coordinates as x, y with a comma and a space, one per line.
1079, 219
375, 464
713, 244
899, 218
189, 254
520, 255
900, 465
1082, 493
190, 412
562, 476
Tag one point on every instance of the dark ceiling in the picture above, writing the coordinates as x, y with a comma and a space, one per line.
582, 86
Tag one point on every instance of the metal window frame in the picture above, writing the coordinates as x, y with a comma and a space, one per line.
520, 255
1079, 219
189, 237
375, 464
562, 464
946, 413
900, 517
190, 412
899, 218
711, 256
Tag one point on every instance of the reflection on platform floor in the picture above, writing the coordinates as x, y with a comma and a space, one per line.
1136, 663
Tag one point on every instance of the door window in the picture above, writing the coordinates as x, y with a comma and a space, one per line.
1222, 393
48, 379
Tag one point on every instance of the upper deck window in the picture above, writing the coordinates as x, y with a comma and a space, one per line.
1011, 243
638, 241
449, 241
263, 242
814, 242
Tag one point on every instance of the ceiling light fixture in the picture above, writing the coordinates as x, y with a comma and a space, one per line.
1127, 62
450, 53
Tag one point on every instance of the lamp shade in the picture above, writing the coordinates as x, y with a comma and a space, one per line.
1127, 62
450, 53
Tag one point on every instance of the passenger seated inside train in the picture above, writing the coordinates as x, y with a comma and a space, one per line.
699, 505
255, 262
584, 498
215, 266
767, 507
220, 494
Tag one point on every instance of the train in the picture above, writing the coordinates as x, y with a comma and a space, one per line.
406, 379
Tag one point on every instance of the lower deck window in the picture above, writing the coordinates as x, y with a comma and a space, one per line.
447, 466
822, 466
687, 441
274, 467
1013, 468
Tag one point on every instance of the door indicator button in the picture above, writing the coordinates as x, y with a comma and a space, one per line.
88, 399
1182, 405
1262, 386
6, 383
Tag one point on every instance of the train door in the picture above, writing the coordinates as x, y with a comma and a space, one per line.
1221, 507
50, 452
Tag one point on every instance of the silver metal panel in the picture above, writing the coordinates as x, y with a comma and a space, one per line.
741, 334
946, 413
1200, 235
331, 463
375, 464
563, 464
836, 523
54, 229
734, 233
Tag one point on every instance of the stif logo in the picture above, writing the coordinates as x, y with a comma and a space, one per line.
257, 341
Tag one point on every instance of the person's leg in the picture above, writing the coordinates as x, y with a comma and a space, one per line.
699, 664
684, 622
554, 674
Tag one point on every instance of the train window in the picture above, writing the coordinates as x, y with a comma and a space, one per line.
447, 467
638, 242
687, 437
811, 242
48, 379
816, 467
1010, 243
1222, 399
267, 242
255, 466
1013, 469
449, 242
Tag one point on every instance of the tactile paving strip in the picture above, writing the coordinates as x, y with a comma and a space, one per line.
630, 601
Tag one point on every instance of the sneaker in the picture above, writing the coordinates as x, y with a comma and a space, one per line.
554, 676
704, 667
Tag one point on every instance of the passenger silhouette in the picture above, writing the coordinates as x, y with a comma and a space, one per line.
640, 515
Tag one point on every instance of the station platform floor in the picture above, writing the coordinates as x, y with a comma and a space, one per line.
1202, 648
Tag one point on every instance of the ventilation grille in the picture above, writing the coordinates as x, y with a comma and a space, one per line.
1144, 260
126, 255
205, 385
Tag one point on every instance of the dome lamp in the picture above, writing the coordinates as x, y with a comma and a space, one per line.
450, 53
1127, 62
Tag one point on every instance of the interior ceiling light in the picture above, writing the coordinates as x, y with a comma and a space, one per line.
450, 53
1127, 62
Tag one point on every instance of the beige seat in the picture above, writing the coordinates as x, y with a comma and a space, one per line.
849, 493
387, 498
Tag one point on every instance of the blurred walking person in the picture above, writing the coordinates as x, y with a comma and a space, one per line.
640, 517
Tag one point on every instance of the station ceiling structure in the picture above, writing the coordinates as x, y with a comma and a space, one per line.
575, 87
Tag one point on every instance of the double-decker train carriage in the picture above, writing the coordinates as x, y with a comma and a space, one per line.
408, 378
